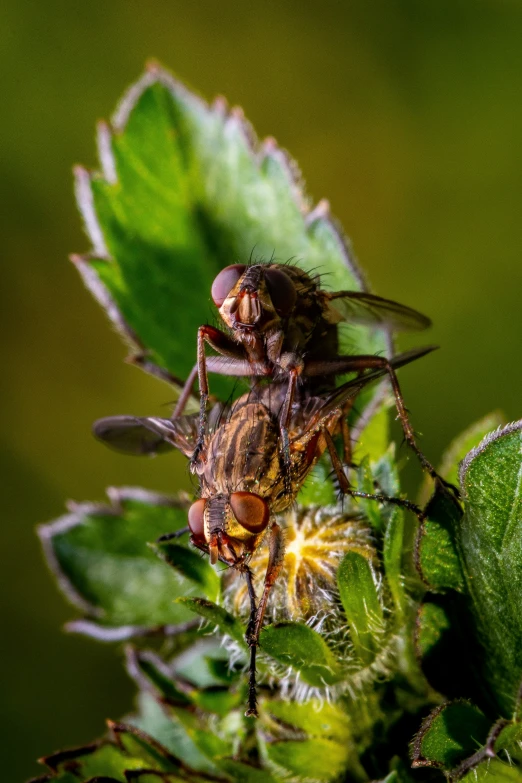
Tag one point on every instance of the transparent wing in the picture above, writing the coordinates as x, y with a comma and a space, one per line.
359, 307
141, 436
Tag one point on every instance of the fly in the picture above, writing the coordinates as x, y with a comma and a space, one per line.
244, 480
282, 326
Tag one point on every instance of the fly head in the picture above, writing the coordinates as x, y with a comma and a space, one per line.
254, 297
228, 527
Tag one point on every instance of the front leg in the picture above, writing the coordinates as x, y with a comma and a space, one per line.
276, 554
225, 346
293, 366
252, 689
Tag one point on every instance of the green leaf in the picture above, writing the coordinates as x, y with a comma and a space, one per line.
450, 734
458, 448
151, 673
317, 719
436, 556
304, 650
432, 622
360, 598
100, 758
509, 735
318, 489
217, 700
221, 671
137, 744
491, 545
312, 759
365, 483
204, 736
167, 729
468, 440
386, 474
393, 777
190, 565
494, 771
104, 566
392, 555
400, 772
149, 776
374, 437
244, 773
185, 190
109, 760
480, 760
207, 664
226, 622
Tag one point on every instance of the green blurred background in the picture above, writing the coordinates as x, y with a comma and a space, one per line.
406, 115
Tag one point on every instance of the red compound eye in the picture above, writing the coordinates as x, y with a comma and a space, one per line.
282, 291
250, 510
225, 282
196, 518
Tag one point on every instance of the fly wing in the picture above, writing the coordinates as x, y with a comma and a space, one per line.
141, 436
318, 409
360, 307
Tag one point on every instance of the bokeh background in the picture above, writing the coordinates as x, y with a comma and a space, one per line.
406, 114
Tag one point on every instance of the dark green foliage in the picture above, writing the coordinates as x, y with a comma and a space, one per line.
218, 616
450, 734
190, 565
104, 565
360, 598
491, 545
304, 650
436, 554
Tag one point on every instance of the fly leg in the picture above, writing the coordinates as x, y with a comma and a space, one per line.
346, 489
252, 643
284, 423
276, 554
344, 364
185, 393
345, 435
225, 346
292, 366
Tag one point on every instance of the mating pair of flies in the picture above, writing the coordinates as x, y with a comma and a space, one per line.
253, 455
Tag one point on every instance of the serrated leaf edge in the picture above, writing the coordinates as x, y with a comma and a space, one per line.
491, 437
53, 760
122, 633
259, 151
46, 534
118, 727
133, 656
487, 751
75, 517
92, 282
